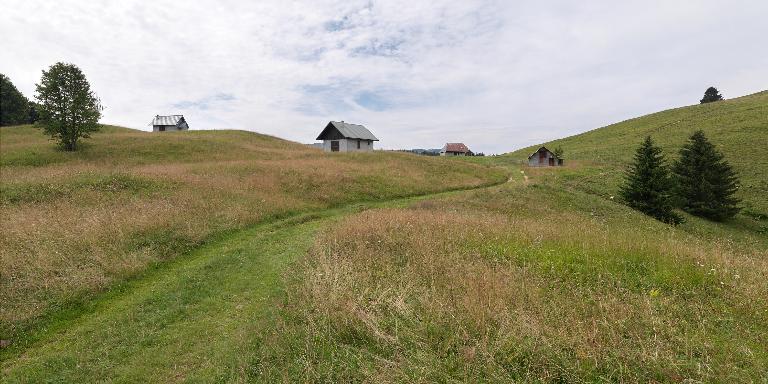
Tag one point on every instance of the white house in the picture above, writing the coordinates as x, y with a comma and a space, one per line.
339, 136
169, 123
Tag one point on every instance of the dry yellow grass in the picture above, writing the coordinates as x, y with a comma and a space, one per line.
74, 223
524, 283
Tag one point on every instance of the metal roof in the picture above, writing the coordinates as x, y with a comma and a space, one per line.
456, 147
166, 120
350, 131
539, 150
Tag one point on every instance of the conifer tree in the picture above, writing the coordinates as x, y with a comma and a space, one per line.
648, 187
710, 95
706, 183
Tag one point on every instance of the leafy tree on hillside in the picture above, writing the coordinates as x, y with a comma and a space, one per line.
558, 152
706, 183
710, 95
69, 109
648, 186
13, 105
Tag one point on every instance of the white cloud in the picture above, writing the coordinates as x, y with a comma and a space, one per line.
496, 75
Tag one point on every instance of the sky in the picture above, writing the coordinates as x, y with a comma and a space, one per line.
495, 75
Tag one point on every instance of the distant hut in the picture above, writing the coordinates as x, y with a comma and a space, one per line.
339, 136
543, 157
169, 123
455, 149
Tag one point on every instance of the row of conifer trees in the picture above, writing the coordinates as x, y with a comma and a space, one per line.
700, 182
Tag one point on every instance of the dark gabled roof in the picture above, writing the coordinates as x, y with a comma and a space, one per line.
539, 150
167, 120
349, 131
456, 147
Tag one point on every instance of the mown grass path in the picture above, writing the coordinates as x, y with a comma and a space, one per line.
198, 319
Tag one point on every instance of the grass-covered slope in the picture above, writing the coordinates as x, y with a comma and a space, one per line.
75, 223
738, 127
548, 278
524, 282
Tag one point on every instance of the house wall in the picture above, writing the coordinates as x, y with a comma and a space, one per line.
537, 161
349, 145
156, 128
452, 154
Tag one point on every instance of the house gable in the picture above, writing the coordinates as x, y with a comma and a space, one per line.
163, 123
347, 131
330, 133
545, 150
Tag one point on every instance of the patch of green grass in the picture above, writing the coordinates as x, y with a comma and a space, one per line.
192, 320
14, 193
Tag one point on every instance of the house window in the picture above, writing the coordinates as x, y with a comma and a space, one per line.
358, 143
334, 146
162, 128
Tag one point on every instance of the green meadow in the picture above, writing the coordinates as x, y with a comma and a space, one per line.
237, 257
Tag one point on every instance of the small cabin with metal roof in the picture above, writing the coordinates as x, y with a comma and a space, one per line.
339, 136
543, 157
169, 123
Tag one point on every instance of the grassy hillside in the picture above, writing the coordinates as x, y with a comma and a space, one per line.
523, 282
73, 224
544, 278
738, 127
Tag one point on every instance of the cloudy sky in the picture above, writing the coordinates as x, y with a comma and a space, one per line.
496, 75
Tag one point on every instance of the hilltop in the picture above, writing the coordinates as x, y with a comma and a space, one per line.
74, 224
738, 127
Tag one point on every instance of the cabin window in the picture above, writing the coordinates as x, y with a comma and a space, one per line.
162, 128
334, 146
358, 143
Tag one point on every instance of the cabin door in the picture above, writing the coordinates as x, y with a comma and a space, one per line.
551, 161
334, 146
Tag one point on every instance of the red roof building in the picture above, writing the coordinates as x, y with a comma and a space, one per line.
455, 149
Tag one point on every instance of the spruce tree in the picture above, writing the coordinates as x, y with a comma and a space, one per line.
706, 183
710, 95
648, 187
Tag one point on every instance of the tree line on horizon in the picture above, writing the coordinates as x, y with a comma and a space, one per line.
700, 182
68, 110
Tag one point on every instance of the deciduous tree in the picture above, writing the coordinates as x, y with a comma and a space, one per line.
69, 109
